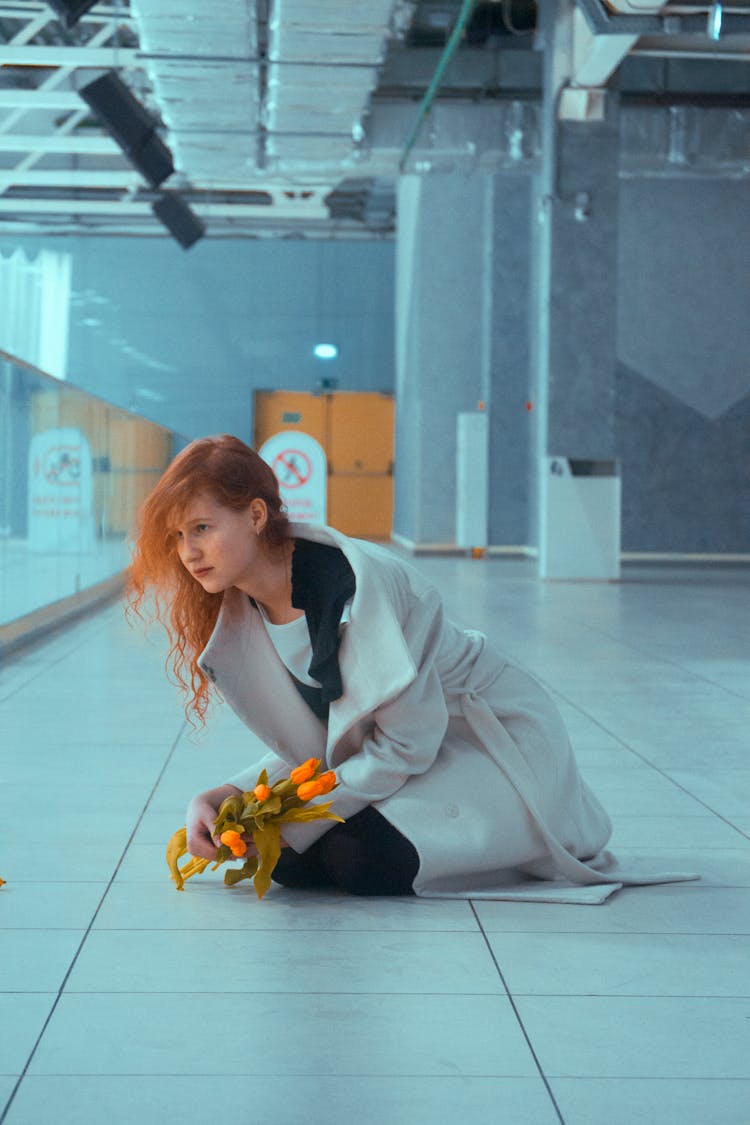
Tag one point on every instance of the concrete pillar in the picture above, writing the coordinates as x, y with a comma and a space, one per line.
442, 356
574, 296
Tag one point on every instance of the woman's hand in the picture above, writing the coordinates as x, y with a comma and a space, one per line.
200, 819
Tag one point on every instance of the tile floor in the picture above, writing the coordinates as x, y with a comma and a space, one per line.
125, 1002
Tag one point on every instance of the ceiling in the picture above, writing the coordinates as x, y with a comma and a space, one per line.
294, 118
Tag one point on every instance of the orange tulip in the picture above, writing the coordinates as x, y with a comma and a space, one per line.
262, 792
327, 780
304, 772
309, 789
234, 842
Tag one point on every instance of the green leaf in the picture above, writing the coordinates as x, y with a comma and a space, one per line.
229, 809
268, 842
234, 875
313, 812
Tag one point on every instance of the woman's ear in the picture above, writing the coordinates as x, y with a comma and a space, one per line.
258, 515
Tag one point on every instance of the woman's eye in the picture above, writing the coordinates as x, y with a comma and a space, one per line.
202, 527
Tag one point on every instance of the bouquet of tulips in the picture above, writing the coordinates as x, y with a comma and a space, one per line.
259, 815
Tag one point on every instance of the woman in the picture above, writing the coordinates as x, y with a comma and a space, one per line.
455, 772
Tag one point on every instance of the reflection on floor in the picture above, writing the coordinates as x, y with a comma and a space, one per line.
126, 1002
31, 579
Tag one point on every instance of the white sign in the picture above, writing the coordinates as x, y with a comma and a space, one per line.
61, 492
301, 469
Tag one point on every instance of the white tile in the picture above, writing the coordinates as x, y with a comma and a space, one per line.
697, 832
641, 792
632, 964
145, 863
644, 1101
681, 908
36, 960
437, 1100
617, 1036
22, 1018
67, 861
49, 906
322, 961
363, 1035
212, 906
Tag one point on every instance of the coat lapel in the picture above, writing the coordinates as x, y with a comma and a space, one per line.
243, 664
376, 664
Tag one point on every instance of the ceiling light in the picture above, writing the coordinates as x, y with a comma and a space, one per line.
326, 351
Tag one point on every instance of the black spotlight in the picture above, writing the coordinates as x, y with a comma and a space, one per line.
70, 11
179, 220
131, 126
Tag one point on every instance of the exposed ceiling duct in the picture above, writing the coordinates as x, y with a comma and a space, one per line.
290, 117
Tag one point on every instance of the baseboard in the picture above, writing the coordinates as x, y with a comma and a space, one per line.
682, 557
34, 626
452, 549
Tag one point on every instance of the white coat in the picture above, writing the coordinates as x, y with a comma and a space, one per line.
463, 752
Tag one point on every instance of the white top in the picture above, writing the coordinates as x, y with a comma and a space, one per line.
292, 643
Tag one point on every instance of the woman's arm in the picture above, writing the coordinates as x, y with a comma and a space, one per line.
405, 736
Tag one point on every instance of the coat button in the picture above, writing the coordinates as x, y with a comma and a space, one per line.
452, 810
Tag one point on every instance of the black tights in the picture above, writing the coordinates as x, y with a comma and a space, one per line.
365, 855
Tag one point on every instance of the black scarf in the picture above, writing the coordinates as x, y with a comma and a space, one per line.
322, 583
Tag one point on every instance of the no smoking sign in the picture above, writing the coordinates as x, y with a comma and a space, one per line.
293, 468
299, 464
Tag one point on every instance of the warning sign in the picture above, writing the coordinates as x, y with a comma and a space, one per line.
292, 467
299, 463
60, 499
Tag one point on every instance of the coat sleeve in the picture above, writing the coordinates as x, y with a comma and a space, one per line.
275, 767
406, 732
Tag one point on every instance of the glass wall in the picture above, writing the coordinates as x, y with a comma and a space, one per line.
73, 473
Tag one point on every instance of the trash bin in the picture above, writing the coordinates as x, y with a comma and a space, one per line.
580, 518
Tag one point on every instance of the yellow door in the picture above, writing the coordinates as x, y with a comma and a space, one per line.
290, 410
360, 485
355, 429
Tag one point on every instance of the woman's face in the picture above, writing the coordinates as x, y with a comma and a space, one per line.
220, 546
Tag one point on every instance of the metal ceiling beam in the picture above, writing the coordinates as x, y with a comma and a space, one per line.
43, 142
30, 100
118, 209
99, 13
70, 57
125, 178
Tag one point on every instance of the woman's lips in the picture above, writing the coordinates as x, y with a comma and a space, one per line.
203, 570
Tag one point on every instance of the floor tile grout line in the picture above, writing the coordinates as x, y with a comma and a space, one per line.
90, 925
657, 996
517, 1014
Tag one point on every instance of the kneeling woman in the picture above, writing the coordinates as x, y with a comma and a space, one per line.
456, 776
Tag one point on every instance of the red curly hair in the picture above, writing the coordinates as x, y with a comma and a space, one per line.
233, 475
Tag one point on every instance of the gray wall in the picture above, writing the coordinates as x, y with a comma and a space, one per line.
510, 363
683, 383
